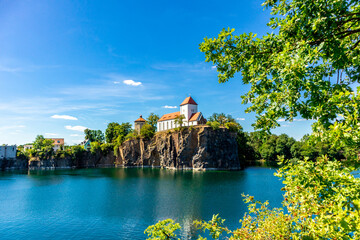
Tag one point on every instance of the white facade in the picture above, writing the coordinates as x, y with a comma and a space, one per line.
28, 146
170, 124
8, 152
188, 109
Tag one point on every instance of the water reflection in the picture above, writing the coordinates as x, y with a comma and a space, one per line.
121, 203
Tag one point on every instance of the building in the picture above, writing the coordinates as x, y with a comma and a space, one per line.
28, 147
189, 109
58, 143
139, 123
8, 152
86, 144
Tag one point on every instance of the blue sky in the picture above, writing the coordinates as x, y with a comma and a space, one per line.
64, 64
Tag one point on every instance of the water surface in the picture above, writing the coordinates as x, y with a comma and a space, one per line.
121, 203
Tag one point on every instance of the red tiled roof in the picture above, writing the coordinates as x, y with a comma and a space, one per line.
188, 100
194, 117
57, 141
140, 119
169, 116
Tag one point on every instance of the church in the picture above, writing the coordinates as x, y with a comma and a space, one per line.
189, 109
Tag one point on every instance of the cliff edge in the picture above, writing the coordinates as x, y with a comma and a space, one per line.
198, 148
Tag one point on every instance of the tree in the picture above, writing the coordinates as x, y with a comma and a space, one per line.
152, 120
123, 130
180, 120
111, 132
147, 131
94, 135
43, 148
221, 118
304, 70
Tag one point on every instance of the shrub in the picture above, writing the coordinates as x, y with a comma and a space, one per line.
95, 147
233, 126
213, 125
106, 148
147, 131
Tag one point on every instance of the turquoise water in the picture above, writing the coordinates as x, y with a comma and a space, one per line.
121, 203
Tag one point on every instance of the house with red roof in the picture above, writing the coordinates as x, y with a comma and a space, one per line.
189, 109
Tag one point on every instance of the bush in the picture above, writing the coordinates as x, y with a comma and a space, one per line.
213, 125
131, 135
95, 147
106, 148
147, 131
233, 126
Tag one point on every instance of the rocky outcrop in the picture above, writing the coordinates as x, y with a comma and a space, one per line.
87, 160
13, 164
197, 148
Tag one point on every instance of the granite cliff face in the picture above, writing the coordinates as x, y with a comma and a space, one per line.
87, 160
198, 148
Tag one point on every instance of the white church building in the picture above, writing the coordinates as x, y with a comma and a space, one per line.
189, 109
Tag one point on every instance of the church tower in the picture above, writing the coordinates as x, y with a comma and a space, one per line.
139, 123
188, 107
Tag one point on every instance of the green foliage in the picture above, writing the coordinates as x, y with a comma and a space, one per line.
147, 131
132, 135
42, 148
215, 226
106, 148
221, 118
180, 120
77, 151
323, 199
111, 132
245, 150
94, 135
233, 126
163, 230
95, 147
213, 125
152, 120
304, 70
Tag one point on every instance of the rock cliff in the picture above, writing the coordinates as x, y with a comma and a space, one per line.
86, 160
198, 148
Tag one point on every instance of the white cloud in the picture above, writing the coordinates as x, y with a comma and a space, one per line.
213, 67
285, 125
51, 134
281, 120
116, 82
76, 128
240, 119
166, 106
66, 117
132, 83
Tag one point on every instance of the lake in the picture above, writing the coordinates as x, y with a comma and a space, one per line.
122, 203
